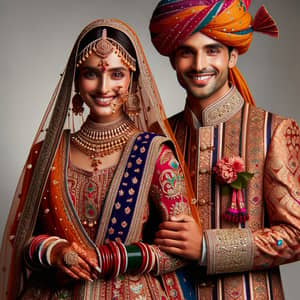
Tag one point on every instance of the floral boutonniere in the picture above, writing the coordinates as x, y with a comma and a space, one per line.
230, 173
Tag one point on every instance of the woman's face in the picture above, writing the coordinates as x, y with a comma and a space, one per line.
100, 84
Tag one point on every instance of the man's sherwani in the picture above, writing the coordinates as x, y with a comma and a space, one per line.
242, 259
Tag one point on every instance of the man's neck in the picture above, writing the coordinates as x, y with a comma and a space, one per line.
198, 105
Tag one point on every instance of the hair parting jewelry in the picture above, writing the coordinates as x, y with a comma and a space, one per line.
104, 46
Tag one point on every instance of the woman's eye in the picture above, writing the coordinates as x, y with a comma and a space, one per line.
89, 75
117, 75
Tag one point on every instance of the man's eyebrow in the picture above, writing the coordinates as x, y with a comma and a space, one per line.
215, 45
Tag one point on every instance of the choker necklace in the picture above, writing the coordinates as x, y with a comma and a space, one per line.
98, 139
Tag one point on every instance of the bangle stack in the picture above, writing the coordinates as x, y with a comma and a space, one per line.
37, 252
115, 258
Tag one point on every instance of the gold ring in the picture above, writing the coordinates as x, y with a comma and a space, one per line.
71, 258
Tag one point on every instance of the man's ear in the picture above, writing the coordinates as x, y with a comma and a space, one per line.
233, 58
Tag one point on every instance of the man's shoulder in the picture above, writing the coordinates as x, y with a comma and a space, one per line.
275, 117
173, 119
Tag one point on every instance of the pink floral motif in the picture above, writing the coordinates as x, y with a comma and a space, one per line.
230, 173
226, 169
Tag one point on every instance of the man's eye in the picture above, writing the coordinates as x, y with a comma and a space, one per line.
213, 51
185, 52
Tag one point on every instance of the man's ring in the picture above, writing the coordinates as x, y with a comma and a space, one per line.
71, 258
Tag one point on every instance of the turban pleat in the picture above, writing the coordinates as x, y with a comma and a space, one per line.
227, 21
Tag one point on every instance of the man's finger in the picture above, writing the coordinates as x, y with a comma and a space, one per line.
169, 234
172, 225
182, 218
168, 243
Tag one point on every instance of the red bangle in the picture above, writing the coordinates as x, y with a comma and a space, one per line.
124, 260
144, 258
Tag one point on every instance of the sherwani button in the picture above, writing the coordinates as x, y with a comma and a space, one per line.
203, 147
202, 201
203, 171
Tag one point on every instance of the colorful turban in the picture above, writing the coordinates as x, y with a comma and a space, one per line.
227, 21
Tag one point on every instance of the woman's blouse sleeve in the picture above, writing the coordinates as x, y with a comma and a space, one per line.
169, 197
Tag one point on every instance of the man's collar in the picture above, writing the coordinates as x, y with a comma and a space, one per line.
218, 112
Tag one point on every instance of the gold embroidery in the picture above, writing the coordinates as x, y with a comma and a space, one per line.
223, 109
229, 250
131, 192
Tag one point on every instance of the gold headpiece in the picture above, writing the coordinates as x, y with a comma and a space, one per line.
104, 46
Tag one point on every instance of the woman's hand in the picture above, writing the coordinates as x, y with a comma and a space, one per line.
181, 236
75, 261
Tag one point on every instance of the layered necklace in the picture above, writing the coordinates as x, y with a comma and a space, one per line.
98, 140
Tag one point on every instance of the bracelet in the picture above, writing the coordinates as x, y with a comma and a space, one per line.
134, 256
50, 248
42, 250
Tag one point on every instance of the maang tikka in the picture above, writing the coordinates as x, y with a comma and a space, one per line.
103, 47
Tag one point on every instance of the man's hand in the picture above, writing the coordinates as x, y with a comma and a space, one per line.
181, 236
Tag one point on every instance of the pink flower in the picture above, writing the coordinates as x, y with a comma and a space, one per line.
237, 164
225, 173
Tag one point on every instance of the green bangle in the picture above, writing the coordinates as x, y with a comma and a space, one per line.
134, 256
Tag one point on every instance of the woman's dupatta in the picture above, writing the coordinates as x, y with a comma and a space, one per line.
25, 206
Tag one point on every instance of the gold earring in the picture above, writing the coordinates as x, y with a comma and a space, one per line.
77, 104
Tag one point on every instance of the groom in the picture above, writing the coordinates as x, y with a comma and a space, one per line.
250, 216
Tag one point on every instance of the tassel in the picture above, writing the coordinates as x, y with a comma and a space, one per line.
243, 214
232, 213
247, 3
264, 23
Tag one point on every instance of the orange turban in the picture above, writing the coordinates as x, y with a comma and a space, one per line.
227, 21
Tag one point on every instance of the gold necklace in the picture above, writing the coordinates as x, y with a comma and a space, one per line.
98, 140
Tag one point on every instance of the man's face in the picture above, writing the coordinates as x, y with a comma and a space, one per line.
201, 64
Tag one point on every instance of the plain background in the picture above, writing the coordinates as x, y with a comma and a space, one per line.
37, 35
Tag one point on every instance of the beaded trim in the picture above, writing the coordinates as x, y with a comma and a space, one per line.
105, 46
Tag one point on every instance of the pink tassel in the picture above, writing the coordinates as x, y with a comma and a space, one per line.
247, 3
232, 213
243, 214
264, 23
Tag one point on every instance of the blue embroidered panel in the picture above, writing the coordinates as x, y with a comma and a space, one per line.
128, 191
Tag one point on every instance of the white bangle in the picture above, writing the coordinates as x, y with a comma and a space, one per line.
40, 249
50, 248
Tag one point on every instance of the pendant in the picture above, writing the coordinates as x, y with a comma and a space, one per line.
95, 163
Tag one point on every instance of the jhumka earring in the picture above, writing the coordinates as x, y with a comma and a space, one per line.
77, 103
132, 105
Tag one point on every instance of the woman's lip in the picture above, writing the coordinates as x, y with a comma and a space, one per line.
103, 101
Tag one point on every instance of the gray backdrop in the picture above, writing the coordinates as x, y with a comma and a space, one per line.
37, 35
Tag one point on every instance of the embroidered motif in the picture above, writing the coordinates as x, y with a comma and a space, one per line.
131, 179
166, 156
230, 250
171, 183
223, 109
179, 208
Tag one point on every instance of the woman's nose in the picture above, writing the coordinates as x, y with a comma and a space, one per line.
103, 84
